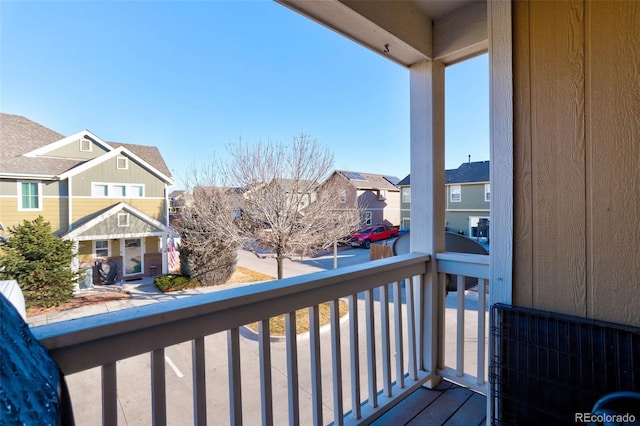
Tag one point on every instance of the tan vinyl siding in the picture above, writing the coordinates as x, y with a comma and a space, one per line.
49, 188
83, 207
107, 172
85, 251
8, 187
113, 228
576, 157
152, 244
53, 211
55, 189
72, 151
457, 222
472, 197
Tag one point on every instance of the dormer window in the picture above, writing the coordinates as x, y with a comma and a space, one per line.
85, 145
122, 163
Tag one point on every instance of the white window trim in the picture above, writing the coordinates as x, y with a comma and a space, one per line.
90, 145
121, 223
406, 195
136, 185
27, 209
129, 192
451, 193
126, 163
94, 185
343, 196
95, 248
368, 218
487, 192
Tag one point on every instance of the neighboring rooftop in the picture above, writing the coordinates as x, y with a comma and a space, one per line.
477, 171
19, 136
370, 180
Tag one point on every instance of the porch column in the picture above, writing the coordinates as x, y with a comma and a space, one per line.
428, 195
165, 254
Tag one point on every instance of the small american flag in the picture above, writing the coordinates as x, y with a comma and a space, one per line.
172, 254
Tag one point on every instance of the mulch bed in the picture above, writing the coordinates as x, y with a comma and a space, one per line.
80, 301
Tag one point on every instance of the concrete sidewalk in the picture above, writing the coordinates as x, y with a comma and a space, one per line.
144, 292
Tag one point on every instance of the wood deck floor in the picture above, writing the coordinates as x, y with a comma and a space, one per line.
447, 404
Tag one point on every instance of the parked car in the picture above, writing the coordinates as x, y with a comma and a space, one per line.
371, 234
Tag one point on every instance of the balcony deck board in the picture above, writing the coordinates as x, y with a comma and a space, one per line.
447, 404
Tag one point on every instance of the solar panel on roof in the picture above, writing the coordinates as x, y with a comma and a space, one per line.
394, 180
354, 175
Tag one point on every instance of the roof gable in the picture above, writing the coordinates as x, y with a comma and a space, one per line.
105, 224
121, 151
47, 150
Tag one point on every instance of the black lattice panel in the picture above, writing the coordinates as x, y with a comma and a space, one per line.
546, 367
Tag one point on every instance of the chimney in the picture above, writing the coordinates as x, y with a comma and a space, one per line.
469, 159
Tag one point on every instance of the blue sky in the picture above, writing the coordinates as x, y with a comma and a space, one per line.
192, 77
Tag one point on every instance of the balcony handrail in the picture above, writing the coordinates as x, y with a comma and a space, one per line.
465, 265
106, 338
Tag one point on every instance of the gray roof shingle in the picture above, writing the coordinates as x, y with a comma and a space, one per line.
478, 171
19, 135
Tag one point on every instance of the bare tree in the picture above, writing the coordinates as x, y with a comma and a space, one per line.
284, 206
209, 238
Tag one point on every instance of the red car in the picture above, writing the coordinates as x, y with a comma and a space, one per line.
371, 234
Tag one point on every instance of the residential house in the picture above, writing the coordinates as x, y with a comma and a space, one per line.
377, 194
467, 199
405, 202
178, 199
110, 198
564, 214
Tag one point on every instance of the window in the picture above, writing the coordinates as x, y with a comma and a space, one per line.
135, 191
101, 248
382, 195
343, 196
487, 192
29, 196
406, 195
85, 145
122, 163
123, 219
100, 190
455, 193
367, 218
117, 190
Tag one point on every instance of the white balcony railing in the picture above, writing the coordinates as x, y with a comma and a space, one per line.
466, 340
104, 340
295, 383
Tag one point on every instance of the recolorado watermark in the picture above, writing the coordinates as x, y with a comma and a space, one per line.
604, 418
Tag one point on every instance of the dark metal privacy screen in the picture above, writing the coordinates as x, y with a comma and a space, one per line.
547, 368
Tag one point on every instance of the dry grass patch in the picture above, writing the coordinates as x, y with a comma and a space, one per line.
244, 275
277, 324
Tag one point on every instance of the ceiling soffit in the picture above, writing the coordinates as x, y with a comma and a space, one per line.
405, 31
